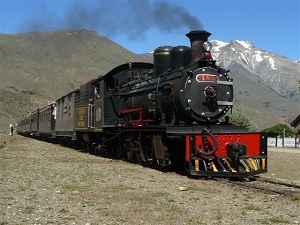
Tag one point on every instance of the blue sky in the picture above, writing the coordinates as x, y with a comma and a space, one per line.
142, 25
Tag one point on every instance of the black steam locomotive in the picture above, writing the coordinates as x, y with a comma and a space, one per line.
165, 113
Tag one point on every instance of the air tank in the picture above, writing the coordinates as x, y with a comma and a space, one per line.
161, 59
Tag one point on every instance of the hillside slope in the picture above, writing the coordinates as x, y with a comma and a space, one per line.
37, 68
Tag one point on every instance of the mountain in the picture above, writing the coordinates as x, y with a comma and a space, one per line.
266, 84
38, 68
276, 71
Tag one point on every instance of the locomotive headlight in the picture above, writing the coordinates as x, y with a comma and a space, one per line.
207, 46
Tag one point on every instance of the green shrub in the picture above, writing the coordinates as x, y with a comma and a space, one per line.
238, 117
278, 130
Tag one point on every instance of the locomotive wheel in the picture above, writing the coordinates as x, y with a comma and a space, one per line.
130, 155
138, 156
147, 146
130, 148
84, 147
186, 167
75, 145
89, 148
121, 149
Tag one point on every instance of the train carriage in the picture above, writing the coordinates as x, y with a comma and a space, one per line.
64, 117
23, 127
34, 123
45, 127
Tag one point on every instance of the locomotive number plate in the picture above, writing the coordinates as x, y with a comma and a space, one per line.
206, 77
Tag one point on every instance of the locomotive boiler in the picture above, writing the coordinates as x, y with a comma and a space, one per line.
167, 113
184, 88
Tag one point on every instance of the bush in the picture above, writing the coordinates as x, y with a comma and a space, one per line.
238, 117
278, 130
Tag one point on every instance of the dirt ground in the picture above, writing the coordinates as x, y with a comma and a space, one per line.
284, 163
42, 183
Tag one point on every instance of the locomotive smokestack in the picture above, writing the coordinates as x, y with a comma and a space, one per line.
197, 38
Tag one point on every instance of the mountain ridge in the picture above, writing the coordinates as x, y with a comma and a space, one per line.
268, 66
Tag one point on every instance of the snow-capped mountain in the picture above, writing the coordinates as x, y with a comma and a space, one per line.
277, 72
266, 84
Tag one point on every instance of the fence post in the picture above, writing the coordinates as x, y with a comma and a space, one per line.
283, 136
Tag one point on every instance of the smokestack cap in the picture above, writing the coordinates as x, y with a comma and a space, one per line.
198, 35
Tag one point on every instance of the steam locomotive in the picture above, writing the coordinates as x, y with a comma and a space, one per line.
170, 112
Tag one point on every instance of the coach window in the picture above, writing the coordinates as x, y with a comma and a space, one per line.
97, 90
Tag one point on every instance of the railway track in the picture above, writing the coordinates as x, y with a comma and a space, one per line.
267, 185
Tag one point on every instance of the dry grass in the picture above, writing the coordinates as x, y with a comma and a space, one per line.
41, 183
283, 163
